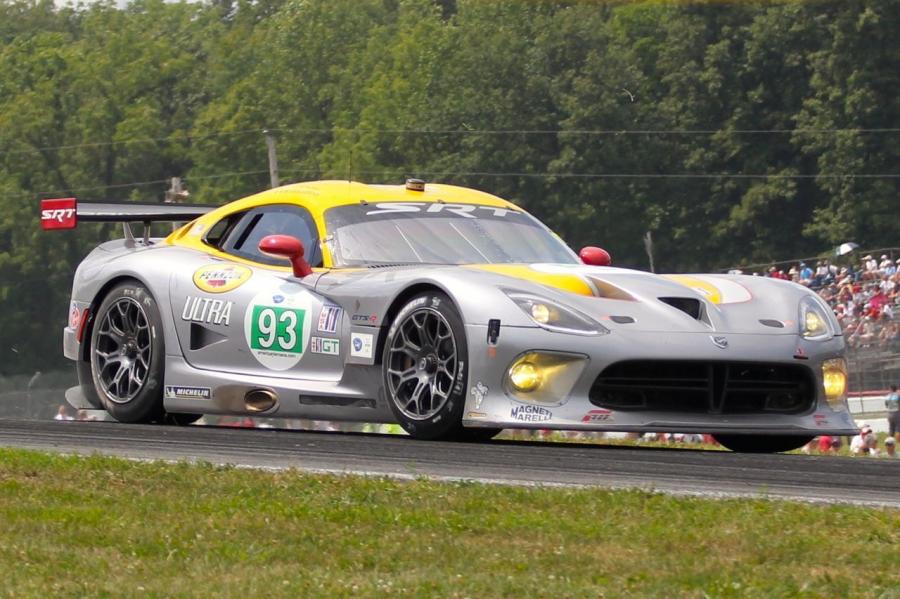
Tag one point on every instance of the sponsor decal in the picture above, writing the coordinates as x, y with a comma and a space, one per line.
435, 302
74, 315
277, 298
278, 334
329, 318
181, 392
821, 419
364, 318
324, 345
437, 209
719, 341
476, 415
479, 391
361, 345
530, 414
59, 213
207, 310
597, 416
219, 278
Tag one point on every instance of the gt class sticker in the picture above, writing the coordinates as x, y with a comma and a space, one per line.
324, 345
277, 328
219, 278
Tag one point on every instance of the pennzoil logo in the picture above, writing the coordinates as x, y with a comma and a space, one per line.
219, 278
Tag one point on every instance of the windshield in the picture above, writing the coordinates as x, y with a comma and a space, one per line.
424, 233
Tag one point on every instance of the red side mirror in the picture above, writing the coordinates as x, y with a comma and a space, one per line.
595, 256
285, 246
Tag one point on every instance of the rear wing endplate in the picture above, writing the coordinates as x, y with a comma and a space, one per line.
66, 213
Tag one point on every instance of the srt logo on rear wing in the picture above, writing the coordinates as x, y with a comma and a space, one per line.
59, 213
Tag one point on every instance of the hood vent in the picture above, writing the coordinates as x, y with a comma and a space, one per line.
689, 305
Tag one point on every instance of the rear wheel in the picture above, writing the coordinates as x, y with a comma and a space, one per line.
424, 363
762, 443
127, 351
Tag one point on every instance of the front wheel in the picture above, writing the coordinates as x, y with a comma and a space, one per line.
424, 364
762, 443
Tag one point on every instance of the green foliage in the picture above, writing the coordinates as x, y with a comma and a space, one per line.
102, 526
731, 131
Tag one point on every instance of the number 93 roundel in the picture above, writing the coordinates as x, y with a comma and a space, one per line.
277, 327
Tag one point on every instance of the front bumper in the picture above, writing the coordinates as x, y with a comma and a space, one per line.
490, 402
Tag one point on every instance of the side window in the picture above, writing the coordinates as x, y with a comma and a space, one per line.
219, 232
243, 239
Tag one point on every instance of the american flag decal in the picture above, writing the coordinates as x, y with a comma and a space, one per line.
328, 318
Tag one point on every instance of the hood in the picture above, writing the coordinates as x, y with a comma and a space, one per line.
631, 299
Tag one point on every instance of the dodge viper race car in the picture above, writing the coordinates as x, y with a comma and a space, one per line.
447, 310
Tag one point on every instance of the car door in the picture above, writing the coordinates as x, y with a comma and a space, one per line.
242, 315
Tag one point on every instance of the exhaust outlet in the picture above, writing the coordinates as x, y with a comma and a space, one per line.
260, 400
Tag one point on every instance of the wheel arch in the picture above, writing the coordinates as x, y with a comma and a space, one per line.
95, 304
398, 302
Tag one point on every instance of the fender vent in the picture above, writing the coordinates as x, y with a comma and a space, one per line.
689, 305
203, 337
704, 387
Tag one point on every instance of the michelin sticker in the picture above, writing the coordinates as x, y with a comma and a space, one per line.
277, 328
182, 392
361, 345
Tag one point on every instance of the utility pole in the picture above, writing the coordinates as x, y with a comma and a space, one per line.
273, 158
176, 192
648, 245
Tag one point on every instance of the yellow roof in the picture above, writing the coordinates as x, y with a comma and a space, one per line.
319, 196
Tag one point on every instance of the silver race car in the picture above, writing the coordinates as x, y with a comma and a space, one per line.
447, 310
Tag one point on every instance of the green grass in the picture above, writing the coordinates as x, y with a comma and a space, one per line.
102, 526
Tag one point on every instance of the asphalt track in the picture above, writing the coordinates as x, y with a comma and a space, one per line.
866, 481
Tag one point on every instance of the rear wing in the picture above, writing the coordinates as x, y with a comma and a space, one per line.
66, 213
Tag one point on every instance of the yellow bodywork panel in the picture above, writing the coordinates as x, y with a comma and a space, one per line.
319, 196
565, 282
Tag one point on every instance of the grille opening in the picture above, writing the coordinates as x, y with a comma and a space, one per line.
705, 387
689, 305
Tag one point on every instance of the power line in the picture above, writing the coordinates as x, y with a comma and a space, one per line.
637, 175
579, 132
543, 175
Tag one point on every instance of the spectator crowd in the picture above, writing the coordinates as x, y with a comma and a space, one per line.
865, 297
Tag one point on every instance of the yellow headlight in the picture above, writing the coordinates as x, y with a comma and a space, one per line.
813, 325
540, 313
524, 377
834, 378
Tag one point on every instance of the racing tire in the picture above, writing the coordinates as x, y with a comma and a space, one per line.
425, 367
127, 354
762, 443
86, 382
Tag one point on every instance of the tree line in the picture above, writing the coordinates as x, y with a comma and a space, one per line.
732, 132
